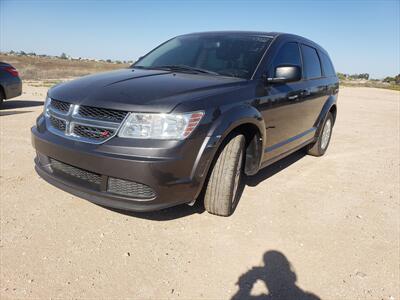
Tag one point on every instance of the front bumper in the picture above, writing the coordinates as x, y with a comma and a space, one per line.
175, 170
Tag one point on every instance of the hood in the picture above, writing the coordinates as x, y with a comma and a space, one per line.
141, 90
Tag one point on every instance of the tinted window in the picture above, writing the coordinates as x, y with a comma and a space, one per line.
312, 66
327, 65
289, 54
231, 55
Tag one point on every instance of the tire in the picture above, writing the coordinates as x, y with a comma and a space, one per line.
221, 195
321, 145
1, 97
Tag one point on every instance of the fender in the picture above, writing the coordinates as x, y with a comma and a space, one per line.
331, 101
234, 117
225, 124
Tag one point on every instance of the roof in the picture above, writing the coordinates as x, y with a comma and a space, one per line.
268, 34
261, 33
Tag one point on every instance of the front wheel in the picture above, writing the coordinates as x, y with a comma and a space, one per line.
222, 188
321, 145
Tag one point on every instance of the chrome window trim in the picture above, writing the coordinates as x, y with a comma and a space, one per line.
262, 57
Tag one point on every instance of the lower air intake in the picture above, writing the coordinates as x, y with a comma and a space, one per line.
129, 188
75, 172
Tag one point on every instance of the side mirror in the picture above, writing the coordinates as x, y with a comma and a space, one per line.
286, 74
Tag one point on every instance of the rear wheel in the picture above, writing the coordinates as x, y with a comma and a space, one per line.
222, 188
321, 145
1, 97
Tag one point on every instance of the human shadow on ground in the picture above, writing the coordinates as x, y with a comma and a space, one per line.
12, 104
279, 278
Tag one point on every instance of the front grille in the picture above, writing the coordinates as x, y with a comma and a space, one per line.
129, 188
95, 133
57, 123
102, 113
83, 123
60, 105
75, 172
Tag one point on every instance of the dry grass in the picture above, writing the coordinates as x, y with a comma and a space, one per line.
42, 68
370, 83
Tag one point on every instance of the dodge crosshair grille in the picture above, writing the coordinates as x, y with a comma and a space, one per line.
83, 123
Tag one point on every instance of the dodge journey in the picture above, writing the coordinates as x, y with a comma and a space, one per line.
190, 118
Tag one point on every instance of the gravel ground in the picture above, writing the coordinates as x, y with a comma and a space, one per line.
305, 228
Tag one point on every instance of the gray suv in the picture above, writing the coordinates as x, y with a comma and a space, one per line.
187, 119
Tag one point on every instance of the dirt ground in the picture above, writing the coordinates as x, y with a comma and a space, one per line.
312, 227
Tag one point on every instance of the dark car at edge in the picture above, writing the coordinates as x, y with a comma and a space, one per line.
10, 83
190, 118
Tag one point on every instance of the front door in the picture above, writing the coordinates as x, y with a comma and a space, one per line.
282, 106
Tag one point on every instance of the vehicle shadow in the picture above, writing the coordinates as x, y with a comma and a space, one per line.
13, 112
12, 104
166, 214
184, 210
268, 172
275, 168
279, 278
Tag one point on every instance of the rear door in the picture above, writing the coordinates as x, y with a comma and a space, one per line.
315, 89
331, 80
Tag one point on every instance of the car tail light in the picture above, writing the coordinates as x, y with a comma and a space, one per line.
12, 71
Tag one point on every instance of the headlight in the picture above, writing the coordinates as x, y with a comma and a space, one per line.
46, 106
160, 126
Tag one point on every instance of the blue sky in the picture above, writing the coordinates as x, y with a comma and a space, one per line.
361, 36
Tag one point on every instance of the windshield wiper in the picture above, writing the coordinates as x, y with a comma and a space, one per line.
138, 67
185, 68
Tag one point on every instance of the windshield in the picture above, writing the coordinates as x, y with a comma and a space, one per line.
228, 55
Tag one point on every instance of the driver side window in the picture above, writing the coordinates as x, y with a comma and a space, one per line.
288, 54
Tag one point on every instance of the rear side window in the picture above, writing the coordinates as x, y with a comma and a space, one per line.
327, 65
289, 54
312, 66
